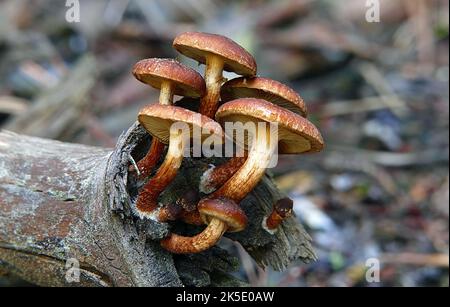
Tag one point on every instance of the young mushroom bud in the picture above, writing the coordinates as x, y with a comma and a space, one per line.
219, 53
159, 121
281, 211
256, 87
221, 215
172, 78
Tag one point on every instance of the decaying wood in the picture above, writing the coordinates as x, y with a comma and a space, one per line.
60, 201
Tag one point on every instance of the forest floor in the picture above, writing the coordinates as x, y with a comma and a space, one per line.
379, 92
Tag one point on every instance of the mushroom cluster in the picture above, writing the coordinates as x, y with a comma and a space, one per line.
247, 99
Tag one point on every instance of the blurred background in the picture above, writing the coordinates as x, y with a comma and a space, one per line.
378, 91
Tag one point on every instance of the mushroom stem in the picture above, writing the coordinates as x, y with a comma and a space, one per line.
274, 220
147, 200
236, 188
147, 163
152, 157
188, 245
249, 175
167, 92
216, 176
213, 79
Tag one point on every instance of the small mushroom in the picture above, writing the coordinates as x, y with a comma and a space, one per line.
157, 120
256, 87
218, 53
172, 78
281, 211
221, 215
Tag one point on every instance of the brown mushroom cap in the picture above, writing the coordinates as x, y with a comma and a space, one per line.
225, 210
198, 46
157, 120
284, 207
187, 82
264, 88
295, 133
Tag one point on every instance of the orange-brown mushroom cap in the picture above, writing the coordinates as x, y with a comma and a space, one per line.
264, 88
186, 81
198, 46
158, 119
283, 207
295, 133
223, 209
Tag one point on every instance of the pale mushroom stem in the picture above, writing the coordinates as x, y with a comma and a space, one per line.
213, 79
166, 93
146, 164
249, 175
147, 201
189, 245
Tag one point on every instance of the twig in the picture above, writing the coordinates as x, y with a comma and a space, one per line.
366, 104
57, 110
392, 159
12, 105
439, 260
375, 78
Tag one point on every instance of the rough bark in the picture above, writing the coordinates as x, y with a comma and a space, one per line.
60, 201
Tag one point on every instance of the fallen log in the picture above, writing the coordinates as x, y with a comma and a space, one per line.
61, 202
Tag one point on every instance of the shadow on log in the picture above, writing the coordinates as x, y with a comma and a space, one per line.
61, 201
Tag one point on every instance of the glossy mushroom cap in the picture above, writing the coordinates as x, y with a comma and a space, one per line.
158, 119
225, 210
186, 81
295, 133
198, 46
264, 88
